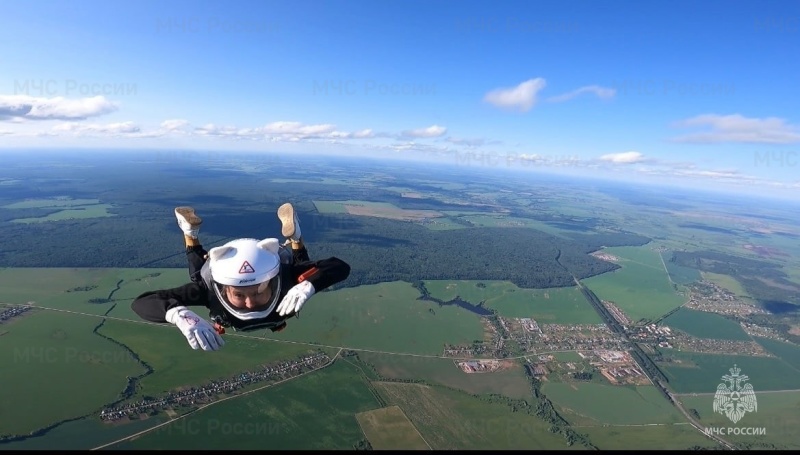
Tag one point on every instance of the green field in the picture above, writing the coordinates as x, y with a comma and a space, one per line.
703, 324
450, 420
339, 206
548, 306
75, 213
567, 357
49, 287
383, 317
778, 413
64, 201
330, 207
176, 364
512, 382
72, 209
314, 411
641, 288
389, 428
323, 181
55, 368
789, 353
443, 224
597, 404
83, 434
680, 274
701, 373
726, 282
651, 437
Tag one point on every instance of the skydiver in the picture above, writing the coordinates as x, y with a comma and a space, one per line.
246, 283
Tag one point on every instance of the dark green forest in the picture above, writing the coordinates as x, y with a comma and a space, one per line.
751, 273
236, 198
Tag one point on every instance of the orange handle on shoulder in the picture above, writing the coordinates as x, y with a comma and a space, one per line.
307, 274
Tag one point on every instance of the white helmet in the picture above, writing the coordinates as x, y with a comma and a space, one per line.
246, 262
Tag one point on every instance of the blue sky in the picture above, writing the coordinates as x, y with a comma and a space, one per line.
702, 93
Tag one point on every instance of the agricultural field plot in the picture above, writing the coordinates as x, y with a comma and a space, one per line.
641, 288
598, 404
650, 437
547, 306
778, 413
701, 373
450, 420
788, 352
442, 224
442, 185
70, 209
55, 368
85, 290
703, 324
729, 283
376, 209
322, 181
410, 193
316, 411
83, 434
483, 219
510, 381
678, 273
324, 207
382, 317
389, 429
62, 201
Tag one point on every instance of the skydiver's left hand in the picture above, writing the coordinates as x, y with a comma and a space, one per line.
295, 298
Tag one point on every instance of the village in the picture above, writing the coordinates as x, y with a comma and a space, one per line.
11, 311
707, 296
517, 336
194, 396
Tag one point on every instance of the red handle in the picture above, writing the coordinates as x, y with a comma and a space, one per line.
307, 274
219, 329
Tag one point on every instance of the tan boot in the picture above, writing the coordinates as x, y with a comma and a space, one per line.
290, 225
189, 223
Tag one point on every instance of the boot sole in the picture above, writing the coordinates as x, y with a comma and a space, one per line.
188, 214
286, 215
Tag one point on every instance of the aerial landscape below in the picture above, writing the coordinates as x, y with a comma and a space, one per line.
485, 309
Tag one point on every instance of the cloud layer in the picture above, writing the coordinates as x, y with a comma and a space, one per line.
737, 128
59, 108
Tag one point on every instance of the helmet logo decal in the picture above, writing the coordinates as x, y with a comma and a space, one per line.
246, 268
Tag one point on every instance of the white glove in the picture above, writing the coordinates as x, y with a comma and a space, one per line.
197, 330
295, 298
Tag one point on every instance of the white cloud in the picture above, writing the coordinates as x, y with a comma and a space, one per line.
108, 129
363, 134
474, 142
174, 124
298, 129
600, 92
623, 157
59, 108
521, 97
431, 131
737, 128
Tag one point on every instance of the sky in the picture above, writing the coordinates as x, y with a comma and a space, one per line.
699, 94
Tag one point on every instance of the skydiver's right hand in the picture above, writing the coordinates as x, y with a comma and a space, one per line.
198, 332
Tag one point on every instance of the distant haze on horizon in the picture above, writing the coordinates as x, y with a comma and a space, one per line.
495, 166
